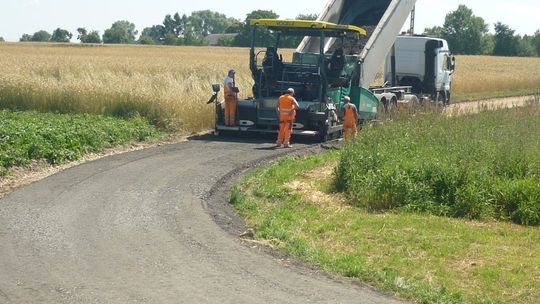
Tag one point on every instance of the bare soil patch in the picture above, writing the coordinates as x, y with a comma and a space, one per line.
472, 107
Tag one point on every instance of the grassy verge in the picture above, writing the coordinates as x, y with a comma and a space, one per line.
56, 138
484, 166
432, 259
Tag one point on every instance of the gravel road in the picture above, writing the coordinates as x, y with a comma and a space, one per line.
151, 226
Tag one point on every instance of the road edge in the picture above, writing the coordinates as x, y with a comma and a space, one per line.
216, 202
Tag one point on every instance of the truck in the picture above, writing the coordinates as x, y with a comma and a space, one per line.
340, 55
425, 64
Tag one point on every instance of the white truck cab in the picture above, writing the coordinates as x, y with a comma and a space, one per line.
423, 63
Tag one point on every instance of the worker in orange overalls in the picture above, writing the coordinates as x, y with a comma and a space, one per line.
286, 109
350, 117
230, 90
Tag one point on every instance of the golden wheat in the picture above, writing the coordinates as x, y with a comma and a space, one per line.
479, 77
170, 85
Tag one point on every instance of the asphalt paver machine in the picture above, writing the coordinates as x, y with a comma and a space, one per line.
340, 55
320, 80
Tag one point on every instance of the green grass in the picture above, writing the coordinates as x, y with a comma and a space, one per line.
484, 166
428, 258
421, 257
56, 138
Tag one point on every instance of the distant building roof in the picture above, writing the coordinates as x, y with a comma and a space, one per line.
213, 39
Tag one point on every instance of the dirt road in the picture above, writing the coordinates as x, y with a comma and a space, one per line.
141, 228
472, 107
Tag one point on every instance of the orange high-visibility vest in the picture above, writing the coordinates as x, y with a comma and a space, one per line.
349, 113
286, 107
227, 91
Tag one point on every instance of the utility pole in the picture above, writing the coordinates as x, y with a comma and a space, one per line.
411, 30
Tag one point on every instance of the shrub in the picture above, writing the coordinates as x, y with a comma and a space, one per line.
484, 166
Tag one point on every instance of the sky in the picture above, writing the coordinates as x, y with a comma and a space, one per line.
28, 16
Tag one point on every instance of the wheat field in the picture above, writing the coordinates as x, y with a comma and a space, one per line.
170, 85
478, 77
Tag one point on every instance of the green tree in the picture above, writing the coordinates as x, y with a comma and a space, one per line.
86, 37
193, 38
172, 30
2, 39
61, 35
120, 32
506, 43
488, 44
293, 41
525, 47
153, 35
173, 25
536, 42
208, 22
25, 38
172, 39
436, 32
226, 41
235, 28
41, 36
92, 37
82, 32
264, 37
464, 31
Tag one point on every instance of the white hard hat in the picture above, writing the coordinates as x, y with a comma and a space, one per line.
290, 90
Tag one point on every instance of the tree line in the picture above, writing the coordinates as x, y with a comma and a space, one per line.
174, 30
466, 33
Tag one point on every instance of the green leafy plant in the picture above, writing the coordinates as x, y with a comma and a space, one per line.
484, 166
56, 138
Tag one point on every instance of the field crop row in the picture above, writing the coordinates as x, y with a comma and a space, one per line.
170, 85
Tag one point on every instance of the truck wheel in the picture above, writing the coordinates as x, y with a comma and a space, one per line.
387, 107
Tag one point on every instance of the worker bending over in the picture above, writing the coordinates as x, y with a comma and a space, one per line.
350, 117
230, 90
286, 109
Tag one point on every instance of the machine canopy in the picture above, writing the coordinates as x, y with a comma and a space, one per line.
308, 27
